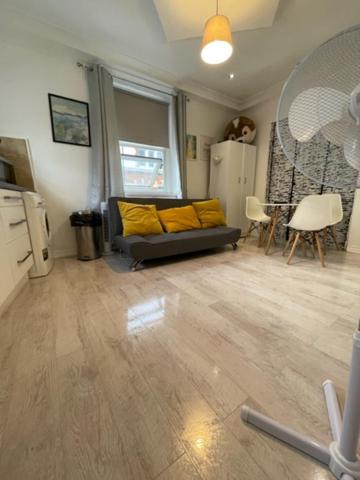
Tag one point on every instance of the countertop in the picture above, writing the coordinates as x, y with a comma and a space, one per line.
10, 186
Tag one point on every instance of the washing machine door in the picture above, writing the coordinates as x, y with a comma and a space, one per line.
45, 226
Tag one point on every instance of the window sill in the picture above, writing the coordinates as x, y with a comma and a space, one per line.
150, 195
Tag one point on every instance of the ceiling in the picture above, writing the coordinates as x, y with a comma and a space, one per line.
130, 33
191, 16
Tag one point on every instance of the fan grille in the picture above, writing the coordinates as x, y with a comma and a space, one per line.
320, 154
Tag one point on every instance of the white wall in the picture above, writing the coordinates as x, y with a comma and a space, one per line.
61, 171
210, 119
263, 115
28, 74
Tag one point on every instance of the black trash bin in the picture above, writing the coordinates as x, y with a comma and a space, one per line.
87, 225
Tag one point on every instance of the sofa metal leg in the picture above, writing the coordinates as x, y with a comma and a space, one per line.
234, 245
135, 265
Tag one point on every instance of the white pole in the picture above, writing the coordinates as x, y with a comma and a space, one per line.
333, 409
351, 425
288, 435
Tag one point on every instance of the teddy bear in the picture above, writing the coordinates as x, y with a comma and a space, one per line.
240, 129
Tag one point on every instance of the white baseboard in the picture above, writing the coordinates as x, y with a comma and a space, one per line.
68, 252
353, 250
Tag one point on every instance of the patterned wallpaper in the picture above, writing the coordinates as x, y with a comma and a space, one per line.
287, 184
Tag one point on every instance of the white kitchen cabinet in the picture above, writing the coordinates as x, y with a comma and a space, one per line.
232, 178
6, 279
15, 246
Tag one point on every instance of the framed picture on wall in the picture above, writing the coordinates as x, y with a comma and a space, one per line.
191, 147
69, 121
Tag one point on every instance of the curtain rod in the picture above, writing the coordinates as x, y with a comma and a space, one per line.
144, 86
90, 68
85, 66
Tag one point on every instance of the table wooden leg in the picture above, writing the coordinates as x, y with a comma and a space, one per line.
272, 227
333, 231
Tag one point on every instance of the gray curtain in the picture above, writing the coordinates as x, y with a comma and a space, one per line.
181, 139
106, 175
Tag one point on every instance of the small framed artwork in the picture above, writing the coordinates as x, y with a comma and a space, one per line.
191, 147
69, 121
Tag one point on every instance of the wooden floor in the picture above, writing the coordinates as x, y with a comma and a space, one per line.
133, 376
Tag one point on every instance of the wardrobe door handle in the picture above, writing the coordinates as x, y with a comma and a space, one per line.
15, 224
11, 197
29, 252
245, 180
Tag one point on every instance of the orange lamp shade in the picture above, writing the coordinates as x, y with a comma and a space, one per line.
216, 46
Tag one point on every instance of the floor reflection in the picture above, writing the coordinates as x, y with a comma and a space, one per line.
199, 430
145, 314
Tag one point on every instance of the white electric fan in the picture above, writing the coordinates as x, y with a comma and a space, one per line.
319, 115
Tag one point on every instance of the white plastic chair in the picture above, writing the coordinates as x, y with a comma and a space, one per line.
313, 214
337, 215
255, 213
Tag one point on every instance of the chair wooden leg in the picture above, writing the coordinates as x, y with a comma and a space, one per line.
261, 232
274, 240
293, 248
333, 232
290, 239
251, 228
321, 253
303, 245
312, 244
326, 231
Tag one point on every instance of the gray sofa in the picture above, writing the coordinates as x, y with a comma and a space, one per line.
157, 246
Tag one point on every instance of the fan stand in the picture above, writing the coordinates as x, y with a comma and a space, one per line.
341, 455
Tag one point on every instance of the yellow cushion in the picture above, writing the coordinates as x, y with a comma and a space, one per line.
210, 213
139, 219
179, 219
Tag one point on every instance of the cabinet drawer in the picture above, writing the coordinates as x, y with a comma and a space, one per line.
21, 257
14, 222
10, 197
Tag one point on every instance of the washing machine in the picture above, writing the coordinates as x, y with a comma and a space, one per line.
40, 234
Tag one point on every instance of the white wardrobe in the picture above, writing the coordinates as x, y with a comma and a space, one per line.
232, 178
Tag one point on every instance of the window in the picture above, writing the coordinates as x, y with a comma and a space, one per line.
145, 168
146, 124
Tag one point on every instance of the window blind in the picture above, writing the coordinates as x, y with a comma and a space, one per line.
141, 119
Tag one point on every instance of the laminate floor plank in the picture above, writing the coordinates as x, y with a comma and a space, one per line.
182, 469
149, 439
93, 448
32, 446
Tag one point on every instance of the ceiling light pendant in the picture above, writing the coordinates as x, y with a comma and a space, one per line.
217, 45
